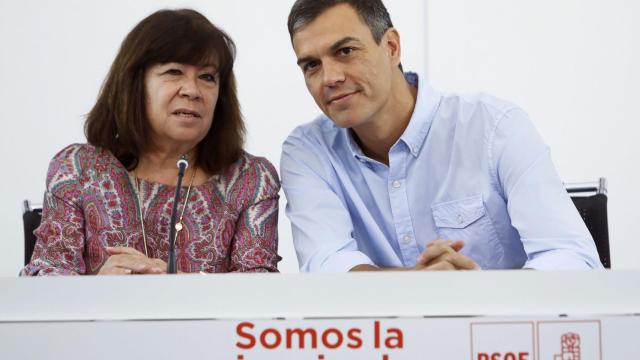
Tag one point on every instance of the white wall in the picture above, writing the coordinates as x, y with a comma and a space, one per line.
574, 67
571, 64
55, 55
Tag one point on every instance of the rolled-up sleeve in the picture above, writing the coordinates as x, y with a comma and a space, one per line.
321, 224
551, 229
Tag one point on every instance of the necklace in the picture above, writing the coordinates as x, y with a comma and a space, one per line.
179, 224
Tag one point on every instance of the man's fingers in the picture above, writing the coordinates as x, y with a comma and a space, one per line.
457, 245
434, 251
438, 242
459, 261
452, 261
441, 266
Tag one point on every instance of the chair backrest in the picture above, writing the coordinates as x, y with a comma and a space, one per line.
31, 218
592, 209
591, 201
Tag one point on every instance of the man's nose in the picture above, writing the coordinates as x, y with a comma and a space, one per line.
333, 73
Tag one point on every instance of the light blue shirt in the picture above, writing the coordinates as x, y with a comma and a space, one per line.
466, 167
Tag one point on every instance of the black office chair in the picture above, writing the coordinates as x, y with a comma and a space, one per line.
31, 218
591, 201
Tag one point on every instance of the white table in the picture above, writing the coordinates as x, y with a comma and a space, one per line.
488, 315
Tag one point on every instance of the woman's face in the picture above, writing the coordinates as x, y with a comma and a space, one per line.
180, 102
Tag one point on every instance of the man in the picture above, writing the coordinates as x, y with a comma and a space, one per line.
393, 164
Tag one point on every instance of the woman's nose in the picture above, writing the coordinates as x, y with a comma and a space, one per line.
189, 88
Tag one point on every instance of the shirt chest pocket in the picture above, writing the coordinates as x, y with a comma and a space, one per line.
467, 219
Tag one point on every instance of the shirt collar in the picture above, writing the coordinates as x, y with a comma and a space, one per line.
427, 102
356, 151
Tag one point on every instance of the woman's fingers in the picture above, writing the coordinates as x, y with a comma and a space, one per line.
116, 250
114, 270
124, 262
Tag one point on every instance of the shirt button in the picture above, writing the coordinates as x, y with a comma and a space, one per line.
415, 149
460, 219
406, 239
396, 184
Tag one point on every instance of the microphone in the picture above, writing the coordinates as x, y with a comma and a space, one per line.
182, 164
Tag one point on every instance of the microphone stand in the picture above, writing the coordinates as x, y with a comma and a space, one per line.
171, 264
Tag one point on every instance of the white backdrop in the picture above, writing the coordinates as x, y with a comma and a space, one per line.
570, 64
55, 55
574, 67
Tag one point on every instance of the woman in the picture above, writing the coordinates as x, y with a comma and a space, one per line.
170, 91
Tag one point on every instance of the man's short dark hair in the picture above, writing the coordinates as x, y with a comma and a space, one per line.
372, 12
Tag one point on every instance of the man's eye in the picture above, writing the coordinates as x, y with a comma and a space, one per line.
346, 50
310, 65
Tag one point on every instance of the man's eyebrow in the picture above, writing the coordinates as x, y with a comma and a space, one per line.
338, 44
305, 60
335, 47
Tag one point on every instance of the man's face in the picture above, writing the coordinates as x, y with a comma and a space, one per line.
346, 72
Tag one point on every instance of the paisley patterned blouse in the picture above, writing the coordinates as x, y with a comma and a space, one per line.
230, 222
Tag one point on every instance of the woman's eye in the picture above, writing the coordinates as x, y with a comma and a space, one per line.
173, 72
209, 77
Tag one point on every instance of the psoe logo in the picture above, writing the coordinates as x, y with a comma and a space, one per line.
507, 340
569, 347
569, 340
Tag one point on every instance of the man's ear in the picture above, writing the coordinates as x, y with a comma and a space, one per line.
391, 39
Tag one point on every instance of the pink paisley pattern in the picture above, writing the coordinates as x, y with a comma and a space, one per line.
230, 223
